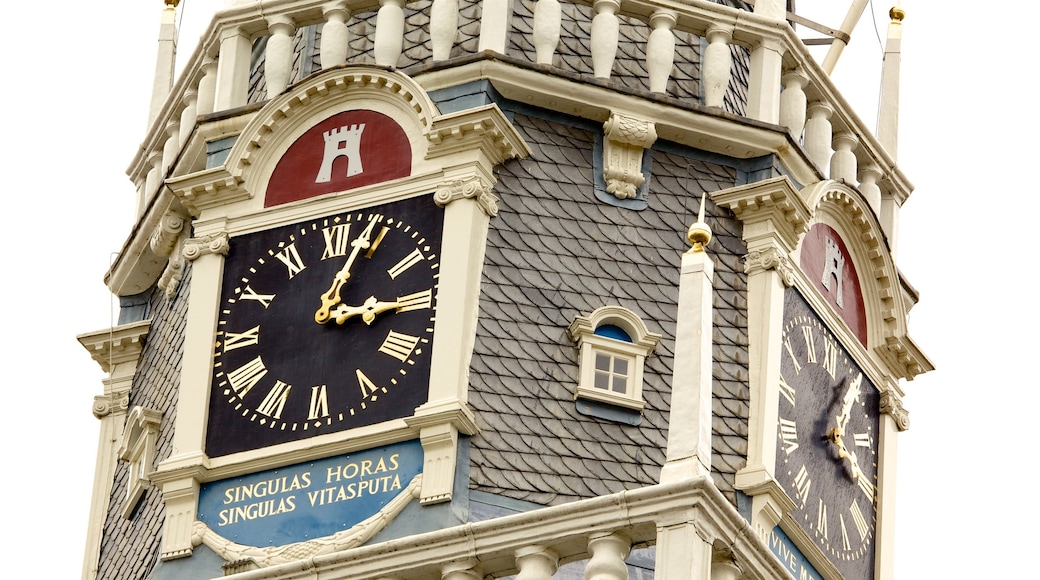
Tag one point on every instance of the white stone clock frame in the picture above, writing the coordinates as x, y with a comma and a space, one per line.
776, 216
453, 155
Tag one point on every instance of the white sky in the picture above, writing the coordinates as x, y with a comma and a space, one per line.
77, 89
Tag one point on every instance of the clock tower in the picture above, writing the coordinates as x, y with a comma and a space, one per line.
480, 289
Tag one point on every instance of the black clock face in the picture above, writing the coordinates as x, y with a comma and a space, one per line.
827, 441
325, 325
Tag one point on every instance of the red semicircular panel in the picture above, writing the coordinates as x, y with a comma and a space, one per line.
826, 261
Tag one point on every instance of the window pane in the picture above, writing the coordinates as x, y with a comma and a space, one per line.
602, 380
620, 366
620, 384
602, 362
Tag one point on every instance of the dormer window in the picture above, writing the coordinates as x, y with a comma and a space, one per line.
613, 344
138, 449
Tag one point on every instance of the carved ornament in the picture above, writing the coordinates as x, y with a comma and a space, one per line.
770, 258
892, 405
472, 188
105, 405
344, 540
194, 248
625, 139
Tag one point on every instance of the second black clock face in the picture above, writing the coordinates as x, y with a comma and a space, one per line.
827, 440
325, 325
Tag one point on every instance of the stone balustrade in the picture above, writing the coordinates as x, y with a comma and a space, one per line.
786, 86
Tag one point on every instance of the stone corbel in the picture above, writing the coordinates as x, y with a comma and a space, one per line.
625, 139
439, 428
166, 242
194, 248
470, 188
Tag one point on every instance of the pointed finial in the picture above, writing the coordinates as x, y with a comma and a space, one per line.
699, 233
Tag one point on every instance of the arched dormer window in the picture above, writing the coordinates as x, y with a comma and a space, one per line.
613, 344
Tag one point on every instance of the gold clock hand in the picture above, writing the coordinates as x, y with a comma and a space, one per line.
837, 433
367, 311
331, 297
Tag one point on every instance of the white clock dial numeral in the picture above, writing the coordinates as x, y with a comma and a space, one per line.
233, 340
247, 376
337, 241
274, 402
859, 520
368, 388
250, 294
866, 486
319, 403
399, 345
862, 439
821, 519
789, 435
845, 543
794, 359
810, 344
787, 390
802, 483
830, 357
291, 258
416, 301
407, 262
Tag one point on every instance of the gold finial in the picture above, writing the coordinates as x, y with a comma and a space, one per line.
172, 3
699, 233
896, 14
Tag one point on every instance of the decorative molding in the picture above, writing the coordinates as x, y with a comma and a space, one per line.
625, 139
471, 188
264, 557
165, 242
485, 129
892, 404
438, 427
195, 248
105, 405
772, 211
113, 346
770, 258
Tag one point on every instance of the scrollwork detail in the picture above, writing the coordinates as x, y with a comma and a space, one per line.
770, 259
195, 248
472, 188
892, 405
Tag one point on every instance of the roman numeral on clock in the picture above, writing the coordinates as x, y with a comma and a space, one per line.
416, 301
821, 518
786, 390
789, 435
845, 543
274, 402
802, 483
233, 340
794, 359
368, 388
830, 357
247, 376
407, 262
810, 344
250, 294
859, 521
337, 240
399, 345
291, 258
319, 403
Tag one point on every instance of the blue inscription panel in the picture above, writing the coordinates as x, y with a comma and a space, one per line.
308, 500
791, 557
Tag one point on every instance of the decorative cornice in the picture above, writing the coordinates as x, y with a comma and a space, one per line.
770, 258
772, 212
344, 540
471, 188
482, 128
195, 248
892, 404
116, 345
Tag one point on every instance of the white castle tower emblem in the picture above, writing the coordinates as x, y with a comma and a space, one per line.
342, 142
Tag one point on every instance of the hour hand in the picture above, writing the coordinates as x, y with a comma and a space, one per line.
332, 296
366, 311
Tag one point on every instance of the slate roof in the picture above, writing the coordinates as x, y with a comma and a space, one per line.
554, 252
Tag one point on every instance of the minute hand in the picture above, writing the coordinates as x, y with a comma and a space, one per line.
367, 311
331, 297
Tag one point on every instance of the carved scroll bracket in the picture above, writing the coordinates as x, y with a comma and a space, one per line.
470, 188
625, 139
770, 258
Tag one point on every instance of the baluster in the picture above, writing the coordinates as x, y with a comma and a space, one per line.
278, 61
151, 184
494, 25
818, 134
718, 64
232, 86
334, 35
764, 69
389, 32
660, 49
462, 570
869, 176
843, 162
207, 87
546, 30
793, 102
444, 26
607, 557
188, 115
171, 147
536, 563
604, 37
